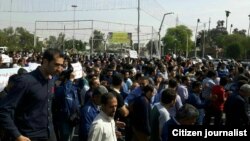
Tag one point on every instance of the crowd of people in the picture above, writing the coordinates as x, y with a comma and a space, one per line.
119, 98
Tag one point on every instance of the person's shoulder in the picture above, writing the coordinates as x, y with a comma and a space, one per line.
98, 121
22, 79
88, 107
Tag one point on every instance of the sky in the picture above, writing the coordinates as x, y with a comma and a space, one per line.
26, 12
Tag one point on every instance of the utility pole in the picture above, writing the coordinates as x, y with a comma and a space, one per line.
248, 26
204, 39
74, 6
138, 29
152, 43
195, 48
159, 33
231, 28
35, 36
208, 32
10, 13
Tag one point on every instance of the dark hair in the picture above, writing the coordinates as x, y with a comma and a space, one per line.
168, 95
148, 88
223, 81
106, 97
117, 80
22, 71
66, 73
172, 83
211, 74
51, 53
196, 84
184, 78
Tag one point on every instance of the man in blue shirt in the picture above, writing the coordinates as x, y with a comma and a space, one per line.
25, 113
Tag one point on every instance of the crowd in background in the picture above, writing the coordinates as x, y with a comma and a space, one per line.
140, 97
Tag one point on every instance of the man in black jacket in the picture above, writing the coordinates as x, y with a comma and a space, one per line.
25, 113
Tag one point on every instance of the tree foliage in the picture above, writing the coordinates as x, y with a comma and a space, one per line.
177, 38
97, 40
233, 51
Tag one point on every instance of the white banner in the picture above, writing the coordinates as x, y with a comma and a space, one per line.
133, 54
77, 67
6, 73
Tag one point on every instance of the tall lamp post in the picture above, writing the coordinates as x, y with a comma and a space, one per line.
195, 49
231, 28
248, 26
74, 6
227, 15
159, 42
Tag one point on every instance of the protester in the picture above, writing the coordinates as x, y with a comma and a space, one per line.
89, 111
103, 126
236, 107
29, 101
186, 115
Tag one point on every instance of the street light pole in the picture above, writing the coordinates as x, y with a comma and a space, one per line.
248, 26
195, 48
74, 6
159, 42
204, 39
231, 28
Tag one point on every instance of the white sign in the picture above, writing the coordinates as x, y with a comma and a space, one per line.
6, 58
133, 54
5, 74
77, 67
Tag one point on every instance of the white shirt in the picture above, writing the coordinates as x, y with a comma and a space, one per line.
164, 115
102, 128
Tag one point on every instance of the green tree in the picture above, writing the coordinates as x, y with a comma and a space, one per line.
177, 38
51, 42
24, 39
97, 40
240, 32
233, 51
79, 45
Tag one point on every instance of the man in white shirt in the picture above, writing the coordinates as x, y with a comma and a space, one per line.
103, 126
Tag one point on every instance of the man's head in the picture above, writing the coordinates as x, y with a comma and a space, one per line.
97, 94
172, 83
117, 80
187, 115
52, 62
168, 97
94, 82
197, 87
144, 81
149, 91
245, 90
109, 104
